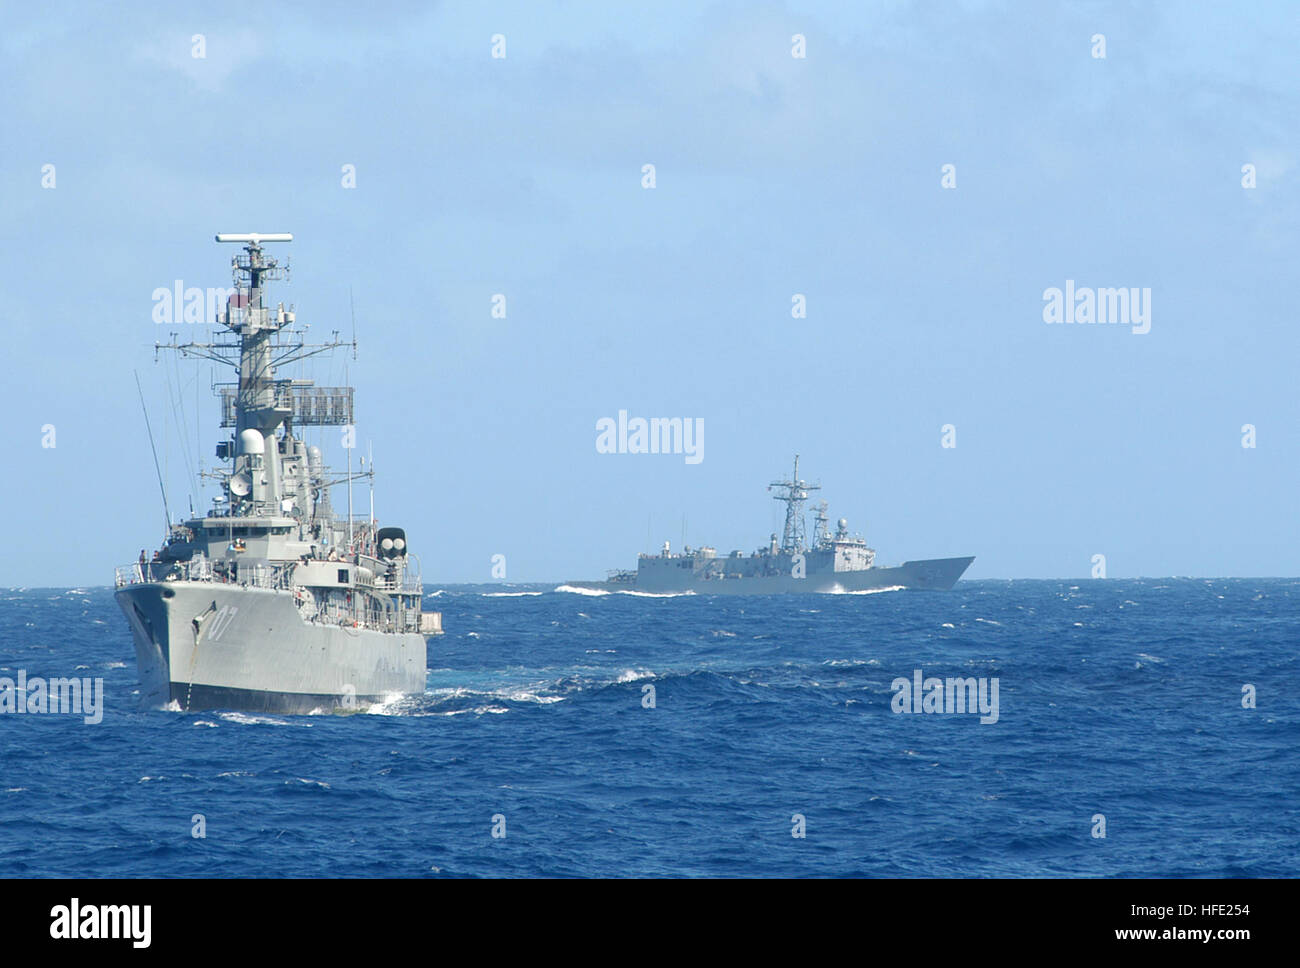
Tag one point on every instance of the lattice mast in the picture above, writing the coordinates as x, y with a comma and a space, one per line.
795, 492
259, 401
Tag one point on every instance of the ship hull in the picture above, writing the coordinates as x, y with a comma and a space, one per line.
204, 645
933, 574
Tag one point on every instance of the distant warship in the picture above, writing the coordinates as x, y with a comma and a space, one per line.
834, 563
271, 602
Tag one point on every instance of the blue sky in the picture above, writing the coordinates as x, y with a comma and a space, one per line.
775, 175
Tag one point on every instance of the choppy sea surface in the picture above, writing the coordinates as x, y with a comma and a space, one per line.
1119, 702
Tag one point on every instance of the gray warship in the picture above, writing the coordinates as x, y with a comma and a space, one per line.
834, 563
272, 602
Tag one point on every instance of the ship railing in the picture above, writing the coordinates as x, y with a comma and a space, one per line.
258, 576
403, 616
400, 618
132, 574
201, 569
266, 576
409, 581
405, 585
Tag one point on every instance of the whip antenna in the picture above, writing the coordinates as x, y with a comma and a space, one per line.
157, 469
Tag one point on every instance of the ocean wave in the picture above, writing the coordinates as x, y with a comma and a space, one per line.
632, 592
635, 675
637, 594
251, 719
540, 721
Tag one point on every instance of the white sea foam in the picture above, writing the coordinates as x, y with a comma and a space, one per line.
247, 719
575, 590
511, 594
392, 704
637, 594
632, 675
535, 694
525, 695
840, 590
597, 592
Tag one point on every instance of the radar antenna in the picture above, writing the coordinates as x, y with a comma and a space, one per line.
796, 492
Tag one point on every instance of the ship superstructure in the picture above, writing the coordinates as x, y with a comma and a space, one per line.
271, 600
834, 561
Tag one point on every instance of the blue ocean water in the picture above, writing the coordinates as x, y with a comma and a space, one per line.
1121, 698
